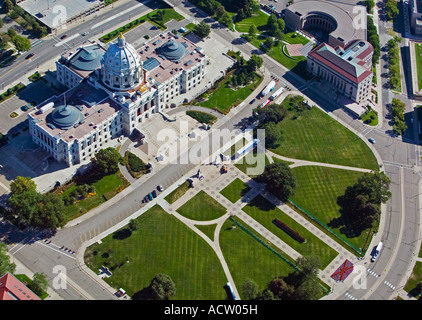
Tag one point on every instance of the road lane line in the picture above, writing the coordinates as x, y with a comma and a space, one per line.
55, 250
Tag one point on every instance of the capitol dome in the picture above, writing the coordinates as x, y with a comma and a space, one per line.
65, 116
121, 66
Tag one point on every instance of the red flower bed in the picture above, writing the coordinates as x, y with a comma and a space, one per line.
294, 234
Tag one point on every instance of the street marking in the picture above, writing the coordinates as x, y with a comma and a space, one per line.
373, 273
55, 250
14, 68
350, 296
389, 285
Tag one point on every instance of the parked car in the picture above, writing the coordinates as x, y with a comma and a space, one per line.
371, 140
150, 196
29, 56
252, 101
154, 193
146, 198
160, 188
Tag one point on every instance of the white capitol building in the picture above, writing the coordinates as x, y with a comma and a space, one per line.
111, 92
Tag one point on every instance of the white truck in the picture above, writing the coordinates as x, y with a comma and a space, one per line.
277, 93
377, 252
268, 88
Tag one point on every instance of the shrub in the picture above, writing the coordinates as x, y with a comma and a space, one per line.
135, 163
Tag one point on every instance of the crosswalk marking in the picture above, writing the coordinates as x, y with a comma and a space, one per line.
373, 273
350, 296
389, 285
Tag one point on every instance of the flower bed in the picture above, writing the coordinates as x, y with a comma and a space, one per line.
295, 235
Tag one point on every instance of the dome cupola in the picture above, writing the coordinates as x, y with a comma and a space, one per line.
121, 66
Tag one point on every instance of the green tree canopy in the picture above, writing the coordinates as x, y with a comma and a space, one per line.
22, 184
279, 180
5, 264
106, 161
162, 287
202, 29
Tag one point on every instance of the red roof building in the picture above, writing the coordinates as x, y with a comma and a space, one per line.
12, 289
348, 69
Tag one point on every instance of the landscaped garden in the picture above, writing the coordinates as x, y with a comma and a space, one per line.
160, 244
265, 212
248, 258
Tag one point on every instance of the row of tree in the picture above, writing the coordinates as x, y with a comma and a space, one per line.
373, 39
28, 21
397, 111
394, 63
391, 9
298, 285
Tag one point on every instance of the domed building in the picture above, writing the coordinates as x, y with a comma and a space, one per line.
121, 66
112, 92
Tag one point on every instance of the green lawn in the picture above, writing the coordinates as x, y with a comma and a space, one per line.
259, 19
106, 185
235, 190
414, 278
248, 258
418, 54
202, 207
315, 136
208, 229
264, 212
161, 244
317, 190
177, 193
225, 97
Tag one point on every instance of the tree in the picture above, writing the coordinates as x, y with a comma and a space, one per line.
268, 43
106, 161
254, 63
273, 135
309, 289
5, 264
50, 214
226, 19
22, 184
279, 180
133, 224
271, 113
39, 284
162, 287
7, 6
220, 11
266, 294
21, 43
249, 289
253, 31
370, 4
24, 206
309, 265
281, 289
202, 29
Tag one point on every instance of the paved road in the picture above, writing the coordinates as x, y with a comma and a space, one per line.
50, 47
401, 219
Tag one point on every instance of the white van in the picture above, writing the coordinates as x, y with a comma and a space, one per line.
377, 252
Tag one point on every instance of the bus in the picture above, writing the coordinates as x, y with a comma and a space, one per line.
247, 147
230, 291
277, 93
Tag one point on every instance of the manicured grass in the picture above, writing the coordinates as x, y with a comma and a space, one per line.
264, 212
202, 207
177, 193
317, 190
295, 38
252, 164
366, 118
105, 186
208, 229
248, 258
225, 97
414, 278
235, 190
161, 244
259, 19
277, 160
202, 117
315, 136
418, 54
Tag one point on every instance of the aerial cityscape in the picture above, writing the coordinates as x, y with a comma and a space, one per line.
210, 150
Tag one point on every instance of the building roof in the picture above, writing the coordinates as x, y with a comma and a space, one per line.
93, 107
349, 61
87, 58
121, 57
169, 55
12, 289
344, 14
